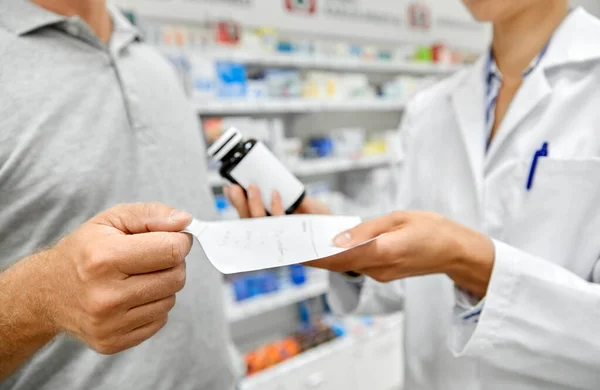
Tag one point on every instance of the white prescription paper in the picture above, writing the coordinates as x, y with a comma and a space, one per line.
261, 243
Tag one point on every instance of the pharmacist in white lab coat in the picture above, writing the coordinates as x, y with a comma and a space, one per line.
499, 276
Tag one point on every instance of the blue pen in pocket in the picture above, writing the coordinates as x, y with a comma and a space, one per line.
543, 152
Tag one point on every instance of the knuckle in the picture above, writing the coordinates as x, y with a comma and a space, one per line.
390, 249
106, 347
112, 216
95, 326
163, 321
381, 252
383, 276
179, 278
174, 254
399, 216
156, 312
143, 209
152, 208
378, 277
99, 337
100, 304
171, 303
162, 310
95, 261
97, 332
147, 207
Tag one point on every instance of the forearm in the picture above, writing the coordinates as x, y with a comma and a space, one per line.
24, 321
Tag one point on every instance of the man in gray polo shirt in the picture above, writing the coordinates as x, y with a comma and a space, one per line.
91, 117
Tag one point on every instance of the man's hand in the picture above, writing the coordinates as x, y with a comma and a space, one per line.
111, 283
117, 275
252, 207
413, 244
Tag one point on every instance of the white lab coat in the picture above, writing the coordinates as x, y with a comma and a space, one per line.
540, 326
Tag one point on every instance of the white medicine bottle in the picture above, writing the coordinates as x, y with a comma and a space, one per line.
248, 162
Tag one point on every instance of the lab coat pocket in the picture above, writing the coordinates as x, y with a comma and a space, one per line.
558, 218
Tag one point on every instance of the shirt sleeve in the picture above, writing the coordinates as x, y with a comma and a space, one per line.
539, 319
469, 306
346, 297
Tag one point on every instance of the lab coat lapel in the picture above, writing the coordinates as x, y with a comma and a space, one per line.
468, 102
534, 90
566, 48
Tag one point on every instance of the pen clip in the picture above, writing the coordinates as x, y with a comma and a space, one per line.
543, 152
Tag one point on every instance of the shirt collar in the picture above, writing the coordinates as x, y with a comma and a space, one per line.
494, 72
121, 24
575, 41
492, 68
22, 16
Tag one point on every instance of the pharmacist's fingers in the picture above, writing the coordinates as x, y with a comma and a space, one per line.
257, 209
235, 195
276, 204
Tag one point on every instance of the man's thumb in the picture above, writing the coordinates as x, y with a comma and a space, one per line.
135, 218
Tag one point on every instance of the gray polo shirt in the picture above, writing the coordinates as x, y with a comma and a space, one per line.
82, 128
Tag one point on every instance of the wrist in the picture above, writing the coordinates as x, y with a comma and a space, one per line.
38, 283
25, 327
471, 261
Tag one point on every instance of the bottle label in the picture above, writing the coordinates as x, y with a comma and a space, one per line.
262, 168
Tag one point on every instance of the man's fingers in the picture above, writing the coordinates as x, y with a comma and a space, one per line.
143, 289
276, 204
257, 209
369, 230
137, 218
150, 252
235, 195
145, 314
141, 334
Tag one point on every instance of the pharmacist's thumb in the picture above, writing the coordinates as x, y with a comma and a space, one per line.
235, 195
364, 232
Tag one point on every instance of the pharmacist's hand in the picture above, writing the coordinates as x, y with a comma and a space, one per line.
252, 207
411, 243
113, 281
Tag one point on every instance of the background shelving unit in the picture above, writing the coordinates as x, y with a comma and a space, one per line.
264, 303
366, 358
335, 64
255, 319
294, 106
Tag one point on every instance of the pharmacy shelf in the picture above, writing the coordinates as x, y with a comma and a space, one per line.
344, 347
292, 106
321, 166
313, 356
332, 165
264, 303
328, 63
